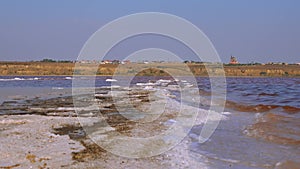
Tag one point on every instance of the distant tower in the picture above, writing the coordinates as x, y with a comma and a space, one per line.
233, 60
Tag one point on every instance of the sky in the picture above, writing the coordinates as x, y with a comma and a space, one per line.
252, 30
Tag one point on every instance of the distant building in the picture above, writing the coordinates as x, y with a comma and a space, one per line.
115, 62
125, 62
106, 62
233, 60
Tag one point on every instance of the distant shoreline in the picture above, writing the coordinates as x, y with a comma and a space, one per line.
147, 75
130, 69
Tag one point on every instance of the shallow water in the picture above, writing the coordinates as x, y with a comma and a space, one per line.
244, 91
231, 147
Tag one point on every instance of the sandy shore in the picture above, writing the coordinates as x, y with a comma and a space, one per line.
28, 141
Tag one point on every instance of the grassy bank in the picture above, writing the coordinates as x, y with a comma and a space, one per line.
155, 69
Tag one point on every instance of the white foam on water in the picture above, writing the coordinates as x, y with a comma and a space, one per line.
145, 84
20, 79
115, 86
57, 88
13, 79
110, 80
226, 113
164, 81
17, 78
6, 79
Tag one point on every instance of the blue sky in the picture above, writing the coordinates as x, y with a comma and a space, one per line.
252, 30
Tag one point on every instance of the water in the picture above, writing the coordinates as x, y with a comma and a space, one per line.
266, 91
280, 92
261, 131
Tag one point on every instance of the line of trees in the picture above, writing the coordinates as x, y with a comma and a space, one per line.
55, 61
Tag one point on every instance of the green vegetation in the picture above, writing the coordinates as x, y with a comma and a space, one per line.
55, 61
263, 73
